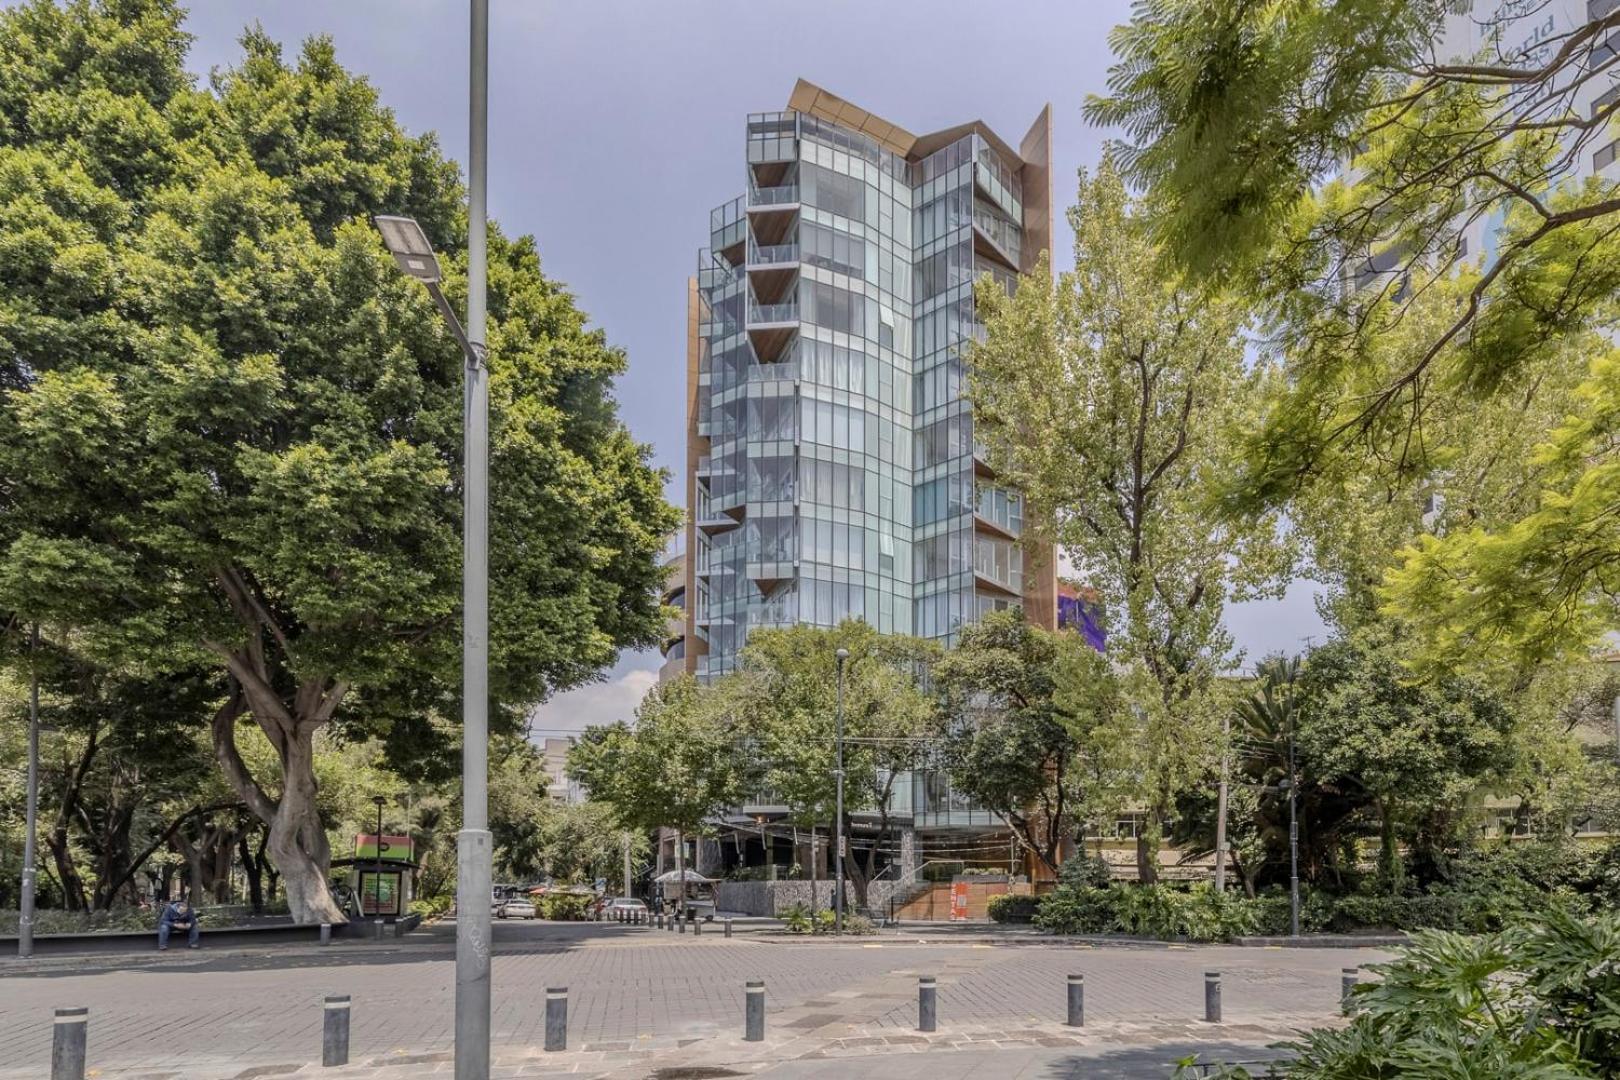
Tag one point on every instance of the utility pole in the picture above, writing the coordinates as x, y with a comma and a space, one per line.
838, 812
626, 864
1220, 805
1293, 834
25, 914
473, 846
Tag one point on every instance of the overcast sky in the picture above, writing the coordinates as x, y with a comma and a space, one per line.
615, 125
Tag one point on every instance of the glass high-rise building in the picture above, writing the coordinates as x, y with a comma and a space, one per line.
831, 465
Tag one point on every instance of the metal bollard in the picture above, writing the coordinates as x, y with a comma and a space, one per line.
1077, 1001
926, 1003
556, 1018
335, 1032
67, 1043
1347, 986
1212, 997
697, 926
754, 1013
680, 925
326, 933
728, 928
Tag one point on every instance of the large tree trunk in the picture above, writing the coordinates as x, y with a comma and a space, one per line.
297, 843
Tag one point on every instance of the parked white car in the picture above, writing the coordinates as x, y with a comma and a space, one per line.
515, 908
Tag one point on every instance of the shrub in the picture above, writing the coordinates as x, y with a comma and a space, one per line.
431, 907
1008, 908
565, 907
798, 920
1085, 872
1155, 911
859, 925
1535, 1000
1068, 910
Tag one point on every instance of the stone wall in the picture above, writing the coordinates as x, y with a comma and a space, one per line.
769, 898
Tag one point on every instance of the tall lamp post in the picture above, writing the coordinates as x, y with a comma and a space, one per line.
838, 812
25, 913
1293, 835
409, 245
376, 868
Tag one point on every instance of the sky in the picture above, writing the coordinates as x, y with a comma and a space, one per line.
616, 125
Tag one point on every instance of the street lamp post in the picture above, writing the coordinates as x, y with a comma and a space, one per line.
376, 860
408, 244
1293, 835
25, 913
838, 812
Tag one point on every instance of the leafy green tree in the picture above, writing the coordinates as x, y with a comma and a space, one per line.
676, 767
784, 697
1331, 164
231, 430
1421, 751
1022, 702
1114, 398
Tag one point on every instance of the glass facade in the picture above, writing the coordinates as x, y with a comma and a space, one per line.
835, 470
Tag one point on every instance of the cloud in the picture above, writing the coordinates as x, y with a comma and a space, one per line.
613, 699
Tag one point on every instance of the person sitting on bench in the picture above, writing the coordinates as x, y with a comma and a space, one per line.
178, 916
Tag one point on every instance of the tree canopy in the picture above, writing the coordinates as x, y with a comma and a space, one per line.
230, 432
1410, 220
1114, 398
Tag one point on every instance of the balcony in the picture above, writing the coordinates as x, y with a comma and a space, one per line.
782, 195
772, 254
772, 315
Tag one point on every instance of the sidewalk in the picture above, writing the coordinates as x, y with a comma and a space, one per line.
839, 1052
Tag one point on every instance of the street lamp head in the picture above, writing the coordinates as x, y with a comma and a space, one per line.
379, 801
842, 654
409, 246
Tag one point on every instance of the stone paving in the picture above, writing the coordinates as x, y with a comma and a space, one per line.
642, 1002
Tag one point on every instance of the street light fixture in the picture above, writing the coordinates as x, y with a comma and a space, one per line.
838, 824
408, 244
405, 239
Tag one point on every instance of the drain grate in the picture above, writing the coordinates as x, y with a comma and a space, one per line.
691, 1072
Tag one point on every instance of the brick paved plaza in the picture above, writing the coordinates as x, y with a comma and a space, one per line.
643, 1000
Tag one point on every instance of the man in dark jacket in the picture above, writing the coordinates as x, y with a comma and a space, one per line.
178, 916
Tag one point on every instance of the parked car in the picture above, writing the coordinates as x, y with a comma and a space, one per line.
515, 908
610, 911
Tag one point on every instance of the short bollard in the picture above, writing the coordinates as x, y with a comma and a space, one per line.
658, 921
697, 926
335, 1032
1212, 997
926, 1000
326, 933
680, 925
1077, 1001
1347, 986
754, 1013
67, 1043
728, 928
556, 1018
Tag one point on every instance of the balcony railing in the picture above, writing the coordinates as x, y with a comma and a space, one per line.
773, 196
771, 254
773, 313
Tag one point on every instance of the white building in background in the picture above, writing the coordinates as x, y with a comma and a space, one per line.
559, 788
